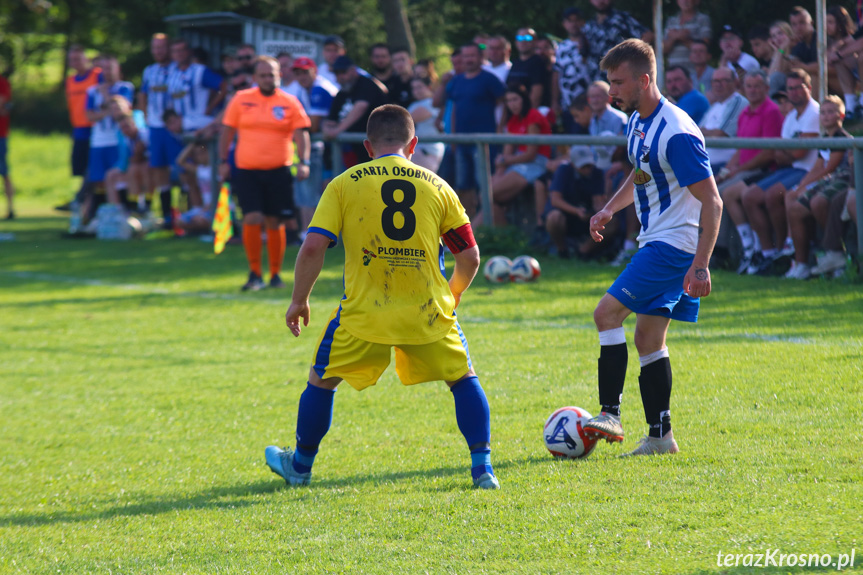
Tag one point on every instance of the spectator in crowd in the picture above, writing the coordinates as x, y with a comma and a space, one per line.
333, 47
546, 48
764, 201
5, 106
804, 54
128, 180
608, 28
229, 63
481, 40
572, 71
154, 99
767, 55
246, 54
781, 99
85, 77
519, 166
353, 104
286, 69
104, 136
720, 121
194, 161
843, 208
782, 38
731, 45
441, 101
400, 91
382, 63
474, 94
843, 55
424, 68
529, 68
575, 194
702, 71
604, 121
267, 122
808, 202
761, 119
678, 83
681, 29
498, 50
424, 114
316, 94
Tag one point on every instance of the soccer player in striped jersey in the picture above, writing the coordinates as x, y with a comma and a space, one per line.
673, 189
391, 215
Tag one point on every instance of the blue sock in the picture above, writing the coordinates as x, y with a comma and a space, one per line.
472, 415
314, 417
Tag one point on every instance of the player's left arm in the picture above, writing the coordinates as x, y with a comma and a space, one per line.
696, 283
303, 144
310, 261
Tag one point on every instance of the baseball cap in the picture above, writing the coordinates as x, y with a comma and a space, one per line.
581, 156
304, 63
572, 11
342, 63
729, 29
337, 40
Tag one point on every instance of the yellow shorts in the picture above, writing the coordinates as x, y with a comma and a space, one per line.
361, 363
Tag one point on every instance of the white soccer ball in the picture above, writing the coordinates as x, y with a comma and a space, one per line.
497, 269
564, 434
524, 269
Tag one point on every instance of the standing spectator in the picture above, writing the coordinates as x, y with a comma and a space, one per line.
77, 84
246, 54
498, 50
678, 82
154, 99
809, 201
681, 29
764, 201
382, 63
720, 121
441, 101
608, 28
268, 122
5, 106
286, 69
518, 166
400, 91
702, 71
353, 104
474, 94
424, 114
529, 69
572, 68
333, 47
843, 55
316, 94
546, 48
731, 44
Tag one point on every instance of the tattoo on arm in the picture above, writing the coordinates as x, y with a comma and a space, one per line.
701, 274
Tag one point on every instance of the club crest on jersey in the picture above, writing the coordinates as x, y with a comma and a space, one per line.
645, 158
279, 112
641, 177
367, 257
559, 435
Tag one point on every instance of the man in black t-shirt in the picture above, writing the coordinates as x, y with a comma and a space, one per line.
529, 69
351, 108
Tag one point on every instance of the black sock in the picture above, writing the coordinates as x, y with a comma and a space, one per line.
165, 197
655, 384
612, 374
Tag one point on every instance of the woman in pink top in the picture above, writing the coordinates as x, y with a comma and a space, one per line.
517, 167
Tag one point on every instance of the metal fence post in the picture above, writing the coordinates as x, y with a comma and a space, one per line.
858, 179
484, 173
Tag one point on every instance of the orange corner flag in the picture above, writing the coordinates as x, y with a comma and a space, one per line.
222, 226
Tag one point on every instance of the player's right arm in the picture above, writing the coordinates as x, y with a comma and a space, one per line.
310, 261
462, 245
618, 201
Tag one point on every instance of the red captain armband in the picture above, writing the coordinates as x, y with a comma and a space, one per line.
458, 240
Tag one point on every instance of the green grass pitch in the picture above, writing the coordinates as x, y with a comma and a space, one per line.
139, 387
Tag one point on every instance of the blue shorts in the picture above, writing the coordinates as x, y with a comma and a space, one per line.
788, 177
164, 148
4, 167
531, 171
652, 283
102, 160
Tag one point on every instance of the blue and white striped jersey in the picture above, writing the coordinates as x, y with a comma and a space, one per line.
190, 91
104, 132
667, 152
154, 83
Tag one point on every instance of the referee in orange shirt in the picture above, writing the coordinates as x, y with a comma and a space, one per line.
267, 123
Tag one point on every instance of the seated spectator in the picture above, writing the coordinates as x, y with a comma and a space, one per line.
702, 71
424, 114
842, 209
761, 119
782, 38
678, 83
604, 121
720, 121
194, 162
731, 44
781, 99
575, 194
804, 54
764, 201
424, 68
518, 166
681, 29
809, 201
842, 56
766, 53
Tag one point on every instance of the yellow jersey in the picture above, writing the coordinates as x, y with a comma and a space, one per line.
391, 214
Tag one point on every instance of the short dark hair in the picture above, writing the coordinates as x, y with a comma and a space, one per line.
520, 89
169, 114
759, 32
390, 125
800, 11
374, 47
637, 53
579, 102
678, 67
800, 74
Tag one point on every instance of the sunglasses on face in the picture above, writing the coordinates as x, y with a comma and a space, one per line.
524, 37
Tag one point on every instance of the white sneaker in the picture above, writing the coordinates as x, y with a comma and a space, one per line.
798, 272
830, 261
787, 249
655, 445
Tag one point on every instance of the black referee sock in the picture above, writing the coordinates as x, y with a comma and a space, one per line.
655, 385
612, 374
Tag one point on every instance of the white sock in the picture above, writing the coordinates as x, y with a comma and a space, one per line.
651, 357
745, 231
614, 336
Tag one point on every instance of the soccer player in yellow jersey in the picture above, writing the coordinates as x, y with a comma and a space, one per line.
391, 215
